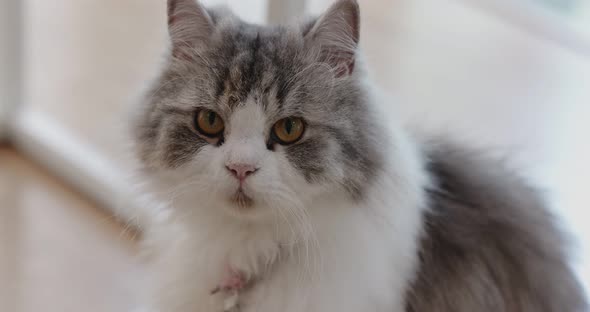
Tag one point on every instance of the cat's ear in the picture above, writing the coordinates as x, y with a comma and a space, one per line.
189, 25
336, 35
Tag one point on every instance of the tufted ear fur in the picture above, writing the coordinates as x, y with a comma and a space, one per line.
336, 35
189, 25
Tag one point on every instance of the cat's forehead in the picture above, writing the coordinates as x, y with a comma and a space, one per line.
257, 62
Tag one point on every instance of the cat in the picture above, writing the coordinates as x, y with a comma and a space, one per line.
277, 185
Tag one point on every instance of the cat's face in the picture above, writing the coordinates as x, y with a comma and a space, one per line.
251, 119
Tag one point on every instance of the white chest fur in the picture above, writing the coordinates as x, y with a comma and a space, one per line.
354, 257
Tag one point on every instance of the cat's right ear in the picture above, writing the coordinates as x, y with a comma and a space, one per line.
189, 25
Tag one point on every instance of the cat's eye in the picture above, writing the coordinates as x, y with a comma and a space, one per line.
289, 130
209, 123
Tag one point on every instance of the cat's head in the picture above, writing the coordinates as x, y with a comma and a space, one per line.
250, 119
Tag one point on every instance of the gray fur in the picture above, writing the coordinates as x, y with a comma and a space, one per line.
288, 71
490, 243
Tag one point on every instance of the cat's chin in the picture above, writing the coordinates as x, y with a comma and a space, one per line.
241, 201
242, 205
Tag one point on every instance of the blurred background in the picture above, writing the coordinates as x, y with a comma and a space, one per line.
511, 76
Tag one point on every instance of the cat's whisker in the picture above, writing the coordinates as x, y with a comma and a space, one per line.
296, 231
273, 195
313, 242
307, 256
179, 192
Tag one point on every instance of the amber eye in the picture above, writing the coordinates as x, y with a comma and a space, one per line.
289, 130
208, 123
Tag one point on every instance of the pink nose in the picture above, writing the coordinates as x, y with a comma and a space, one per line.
241, 171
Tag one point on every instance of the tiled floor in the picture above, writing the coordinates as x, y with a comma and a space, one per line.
58, 252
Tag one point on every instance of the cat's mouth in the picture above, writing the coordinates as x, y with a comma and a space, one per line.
242, 200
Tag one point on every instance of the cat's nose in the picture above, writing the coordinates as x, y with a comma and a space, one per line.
241, 171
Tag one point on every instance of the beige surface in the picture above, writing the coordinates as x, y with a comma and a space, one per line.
58, 252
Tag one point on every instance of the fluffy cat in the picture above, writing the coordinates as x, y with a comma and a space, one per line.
280, 189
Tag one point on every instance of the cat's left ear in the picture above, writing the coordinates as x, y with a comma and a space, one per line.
336, 34
189, 25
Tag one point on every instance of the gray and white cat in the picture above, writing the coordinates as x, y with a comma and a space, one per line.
279, 188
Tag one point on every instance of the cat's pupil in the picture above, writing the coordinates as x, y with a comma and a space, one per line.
289, 126
211, 117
